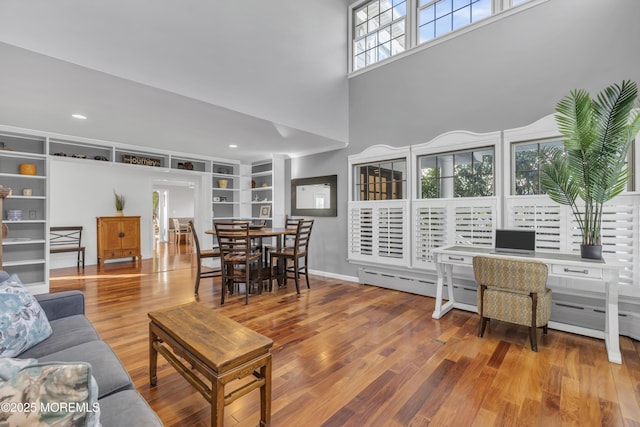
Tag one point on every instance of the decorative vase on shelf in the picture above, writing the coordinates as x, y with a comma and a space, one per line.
222, 183
28, 169
119, 213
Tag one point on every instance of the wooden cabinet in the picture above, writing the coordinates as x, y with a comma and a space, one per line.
118, 237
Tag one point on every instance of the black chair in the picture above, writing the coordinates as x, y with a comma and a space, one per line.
212, 253
238, 262
294, 254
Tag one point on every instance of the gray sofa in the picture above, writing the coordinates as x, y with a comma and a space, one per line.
74, 339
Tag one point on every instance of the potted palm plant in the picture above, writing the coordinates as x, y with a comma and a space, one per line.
592, 166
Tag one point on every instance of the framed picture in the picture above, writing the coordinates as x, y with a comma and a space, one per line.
265, 211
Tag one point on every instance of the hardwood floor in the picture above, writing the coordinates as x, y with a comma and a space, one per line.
346, 354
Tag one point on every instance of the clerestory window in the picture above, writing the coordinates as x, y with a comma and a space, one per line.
378, 31
437, 18
381, 29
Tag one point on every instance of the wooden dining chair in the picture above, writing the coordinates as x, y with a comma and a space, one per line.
203, 272
239, 263
288, 258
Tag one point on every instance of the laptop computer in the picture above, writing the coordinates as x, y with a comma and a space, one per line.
519, 242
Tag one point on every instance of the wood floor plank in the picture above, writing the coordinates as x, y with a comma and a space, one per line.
346, 354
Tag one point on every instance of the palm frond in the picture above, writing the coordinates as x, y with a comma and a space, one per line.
611, 112
575, 120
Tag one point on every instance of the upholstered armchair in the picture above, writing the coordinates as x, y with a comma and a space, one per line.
513, 291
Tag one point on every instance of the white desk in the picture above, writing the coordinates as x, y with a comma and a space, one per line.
560, 265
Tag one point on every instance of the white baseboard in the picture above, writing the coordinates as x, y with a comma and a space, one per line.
334, 275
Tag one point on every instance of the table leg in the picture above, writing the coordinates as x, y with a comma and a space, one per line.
444, 271
280, 271
217, 403
611, 325
153, 357
265, 394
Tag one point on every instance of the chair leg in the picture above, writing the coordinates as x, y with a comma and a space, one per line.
483, 320
533, 333
285, 276
247, 283
483, 325
223, 281
545, 329
296, 274
533, 330
306, 272
198, 276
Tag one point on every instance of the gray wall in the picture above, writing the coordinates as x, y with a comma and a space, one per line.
503, 75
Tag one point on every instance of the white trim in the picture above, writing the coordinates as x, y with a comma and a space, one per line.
455, 141
411, 25
334, 275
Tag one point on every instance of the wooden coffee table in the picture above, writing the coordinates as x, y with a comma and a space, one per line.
219, 349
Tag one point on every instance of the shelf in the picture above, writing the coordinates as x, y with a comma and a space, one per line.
10, 241
262, 189
21, 144
182, 163
19, 175
24, 221
27, 197
22, 155
79, 151
22, 262
259, 174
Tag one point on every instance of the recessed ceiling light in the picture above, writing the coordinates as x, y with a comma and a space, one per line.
233, 145
79, 116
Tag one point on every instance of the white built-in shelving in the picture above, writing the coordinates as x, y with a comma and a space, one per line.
25, 247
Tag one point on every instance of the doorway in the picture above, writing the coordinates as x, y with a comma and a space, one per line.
175, 199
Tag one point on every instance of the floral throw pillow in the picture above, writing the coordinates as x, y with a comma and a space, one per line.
9, 367
23, 323
50, 394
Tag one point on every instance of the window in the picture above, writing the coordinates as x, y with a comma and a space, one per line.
436, 18
527, 163
381, 181
459, 174
526, 166
378, 31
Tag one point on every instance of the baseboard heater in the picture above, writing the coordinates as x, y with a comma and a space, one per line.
571, 312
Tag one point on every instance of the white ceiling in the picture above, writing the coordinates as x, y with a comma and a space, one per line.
189, 76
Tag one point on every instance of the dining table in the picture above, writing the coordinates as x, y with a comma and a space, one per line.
260, 232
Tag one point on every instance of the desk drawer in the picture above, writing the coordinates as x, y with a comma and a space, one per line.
457, 259
576, 271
